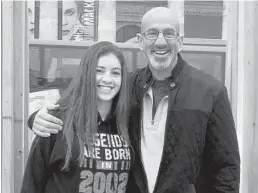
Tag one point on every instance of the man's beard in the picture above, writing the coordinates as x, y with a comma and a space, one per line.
160, 65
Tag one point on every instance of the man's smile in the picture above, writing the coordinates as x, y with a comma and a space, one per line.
161, 52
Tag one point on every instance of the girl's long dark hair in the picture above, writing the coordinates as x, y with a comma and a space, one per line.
78, 104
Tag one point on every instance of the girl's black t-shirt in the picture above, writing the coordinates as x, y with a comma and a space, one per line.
105, 171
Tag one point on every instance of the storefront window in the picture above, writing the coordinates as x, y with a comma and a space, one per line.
203, 19
53, 65
129, 15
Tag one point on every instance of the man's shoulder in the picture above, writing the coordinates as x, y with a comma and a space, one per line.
201, 84
198, 89
202, 78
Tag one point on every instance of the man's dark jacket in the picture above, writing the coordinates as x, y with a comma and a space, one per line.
200, 148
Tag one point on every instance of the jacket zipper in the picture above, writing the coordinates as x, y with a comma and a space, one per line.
145, 176
162, 157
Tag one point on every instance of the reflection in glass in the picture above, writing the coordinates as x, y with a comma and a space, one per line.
203, 19
129, 15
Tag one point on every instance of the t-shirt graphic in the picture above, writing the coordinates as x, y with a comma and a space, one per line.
106, 165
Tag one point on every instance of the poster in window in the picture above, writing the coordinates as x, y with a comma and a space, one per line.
63, 20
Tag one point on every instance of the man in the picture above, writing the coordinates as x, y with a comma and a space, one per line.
181, 124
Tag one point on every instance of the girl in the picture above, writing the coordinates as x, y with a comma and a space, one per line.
92, 153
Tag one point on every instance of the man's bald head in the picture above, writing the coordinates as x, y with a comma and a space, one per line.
160, 40
157, 15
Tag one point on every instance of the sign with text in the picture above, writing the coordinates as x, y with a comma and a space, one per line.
63, 20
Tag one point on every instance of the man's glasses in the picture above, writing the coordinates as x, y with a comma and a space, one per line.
153, 34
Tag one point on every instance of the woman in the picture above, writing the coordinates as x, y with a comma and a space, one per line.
74, 26
92, 154
72, 13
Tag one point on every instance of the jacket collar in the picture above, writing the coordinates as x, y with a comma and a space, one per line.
148, 78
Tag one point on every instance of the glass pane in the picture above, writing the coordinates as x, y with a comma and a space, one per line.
129, 60
54, 67
142, 61
203, 19
210, 63
129, 15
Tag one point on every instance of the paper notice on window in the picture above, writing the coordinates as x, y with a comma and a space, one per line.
40, 98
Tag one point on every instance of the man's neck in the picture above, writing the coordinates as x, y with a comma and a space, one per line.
165, 73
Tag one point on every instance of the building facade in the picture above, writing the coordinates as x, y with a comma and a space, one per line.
44, 40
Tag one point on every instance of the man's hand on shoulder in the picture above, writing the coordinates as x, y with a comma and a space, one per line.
45, 124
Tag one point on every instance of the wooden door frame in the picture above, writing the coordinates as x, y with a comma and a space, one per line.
15, 96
